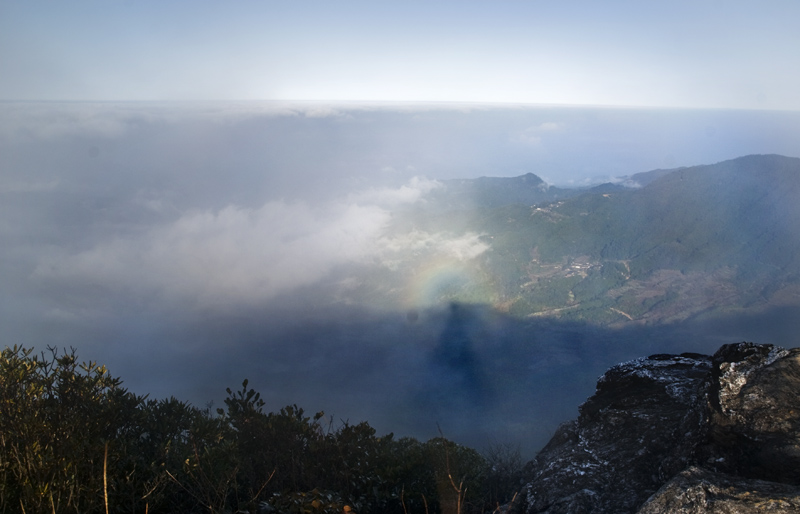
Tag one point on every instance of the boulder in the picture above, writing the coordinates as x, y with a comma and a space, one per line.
653, 424
699, 491
753, 413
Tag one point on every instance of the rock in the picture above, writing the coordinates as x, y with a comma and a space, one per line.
753, 425
662, 420
698, 491
611, 458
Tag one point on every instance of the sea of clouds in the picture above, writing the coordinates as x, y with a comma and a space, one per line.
185, 246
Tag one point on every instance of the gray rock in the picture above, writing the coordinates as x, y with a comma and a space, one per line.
753, 413
699, 491
736, 414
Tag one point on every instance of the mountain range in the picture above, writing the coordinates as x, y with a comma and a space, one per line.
656, 247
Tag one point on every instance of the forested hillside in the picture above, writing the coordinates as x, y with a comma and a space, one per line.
692, 241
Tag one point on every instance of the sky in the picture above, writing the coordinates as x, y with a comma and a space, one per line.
687, 54
179, 180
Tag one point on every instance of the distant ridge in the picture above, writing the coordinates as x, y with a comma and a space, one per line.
490, 192
733, 227
691, 241
645, 177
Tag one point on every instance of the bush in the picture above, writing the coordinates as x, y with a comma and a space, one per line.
58, 419
72, 439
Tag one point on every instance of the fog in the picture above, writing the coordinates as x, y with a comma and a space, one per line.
188, 247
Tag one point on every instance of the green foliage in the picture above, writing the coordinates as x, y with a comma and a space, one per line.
504, 474
459, 473
72, 439
159, 438
56, 417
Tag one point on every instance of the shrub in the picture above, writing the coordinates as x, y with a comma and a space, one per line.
72, 439
58, 420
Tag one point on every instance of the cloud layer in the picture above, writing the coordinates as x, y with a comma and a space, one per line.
239, 256
229, 256
191, 246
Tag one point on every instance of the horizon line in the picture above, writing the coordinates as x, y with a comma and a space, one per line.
394, 103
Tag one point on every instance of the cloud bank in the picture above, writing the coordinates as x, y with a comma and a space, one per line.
233, 255
239, 256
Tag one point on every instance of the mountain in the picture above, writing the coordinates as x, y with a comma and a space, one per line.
540, 298
695, 241
645, 177
679, 434
490, 192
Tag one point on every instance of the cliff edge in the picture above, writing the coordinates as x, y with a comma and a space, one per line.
682, 433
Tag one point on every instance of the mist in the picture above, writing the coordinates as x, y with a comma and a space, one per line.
191, 246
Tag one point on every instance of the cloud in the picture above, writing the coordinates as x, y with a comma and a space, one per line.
533, 135
197, 244
234, 255
241, 256
44, 121
399, 248
322, 112
23, 186
49, 121
392, 197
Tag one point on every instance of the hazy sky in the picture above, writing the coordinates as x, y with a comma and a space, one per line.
731, 54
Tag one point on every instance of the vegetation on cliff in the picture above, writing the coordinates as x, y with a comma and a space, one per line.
72, 439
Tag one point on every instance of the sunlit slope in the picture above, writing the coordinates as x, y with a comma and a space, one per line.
695, 240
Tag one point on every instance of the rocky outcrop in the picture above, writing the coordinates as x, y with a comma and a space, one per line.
679, 433
699, 491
